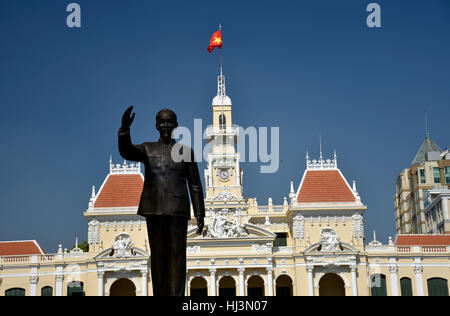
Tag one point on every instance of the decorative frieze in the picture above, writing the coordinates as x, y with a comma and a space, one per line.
299, 226
262, 247
94, 232
193, 249
358, 227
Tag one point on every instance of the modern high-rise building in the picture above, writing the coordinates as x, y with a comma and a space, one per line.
429, 170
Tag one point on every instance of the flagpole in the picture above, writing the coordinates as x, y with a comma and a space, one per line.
221, 58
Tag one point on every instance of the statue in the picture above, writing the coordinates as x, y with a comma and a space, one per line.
164, 200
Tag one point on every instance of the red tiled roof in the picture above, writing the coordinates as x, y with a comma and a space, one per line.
320, 186
423, 240
18, 248
121, 190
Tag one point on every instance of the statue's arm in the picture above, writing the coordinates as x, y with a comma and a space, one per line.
195, 188
129, 151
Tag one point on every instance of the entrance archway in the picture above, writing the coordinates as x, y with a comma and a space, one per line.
227, 286
255, 286
199, 287
283, 286
331, 285
123, 287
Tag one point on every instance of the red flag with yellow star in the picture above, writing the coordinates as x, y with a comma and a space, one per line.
216, 41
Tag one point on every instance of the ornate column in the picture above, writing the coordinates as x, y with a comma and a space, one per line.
144, 283
353, 270
393, 269
309, 269
238, 172
213, 281
34, 275
270, 281
59, 285
101, 284
418, 270
33, 285
241, 282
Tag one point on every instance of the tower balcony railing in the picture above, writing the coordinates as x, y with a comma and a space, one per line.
213, 130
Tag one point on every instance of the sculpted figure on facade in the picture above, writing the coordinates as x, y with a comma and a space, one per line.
329, 241
122, 246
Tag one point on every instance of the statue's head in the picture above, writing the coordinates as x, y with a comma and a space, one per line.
166, 122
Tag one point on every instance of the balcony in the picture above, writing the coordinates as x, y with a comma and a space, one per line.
215, 131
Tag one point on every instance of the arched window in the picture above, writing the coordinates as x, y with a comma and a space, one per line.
255, 286
331, 284
199, 287
222, 121
437, 287
122, 287
378, 285
75, 289
406, 286
15, 292
283, 286
227, 286
47, 291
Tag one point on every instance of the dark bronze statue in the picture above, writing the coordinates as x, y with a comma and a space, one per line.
165, 200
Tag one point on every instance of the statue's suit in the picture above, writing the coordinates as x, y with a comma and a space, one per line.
165, 204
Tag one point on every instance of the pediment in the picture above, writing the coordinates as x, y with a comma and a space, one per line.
111, 254
341, 247
252, 232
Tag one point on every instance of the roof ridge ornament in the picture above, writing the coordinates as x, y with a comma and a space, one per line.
321, 163
125, 168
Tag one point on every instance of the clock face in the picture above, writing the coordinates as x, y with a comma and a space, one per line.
224, 174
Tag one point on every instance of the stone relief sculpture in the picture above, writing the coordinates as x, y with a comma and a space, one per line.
221, 227
93, 233
299, 226
122, 246
329, 241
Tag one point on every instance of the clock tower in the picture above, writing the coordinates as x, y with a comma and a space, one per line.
223, 176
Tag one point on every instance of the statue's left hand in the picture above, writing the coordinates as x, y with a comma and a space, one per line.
200, 224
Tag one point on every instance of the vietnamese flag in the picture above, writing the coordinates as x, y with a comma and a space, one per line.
216, 41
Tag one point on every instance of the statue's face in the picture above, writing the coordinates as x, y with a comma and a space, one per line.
165, 125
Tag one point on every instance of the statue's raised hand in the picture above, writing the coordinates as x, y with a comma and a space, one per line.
127, 119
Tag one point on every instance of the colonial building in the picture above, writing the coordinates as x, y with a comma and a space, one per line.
429, 170
312, 244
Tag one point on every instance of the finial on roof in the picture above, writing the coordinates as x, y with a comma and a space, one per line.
374, 242
321, 163
125, 168
320, 141
427, 134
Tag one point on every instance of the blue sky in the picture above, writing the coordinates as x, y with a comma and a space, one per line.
310, 67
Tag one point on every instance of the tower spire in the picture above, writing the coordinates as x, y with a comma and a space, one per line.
320, 143
221, 59
427, 134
